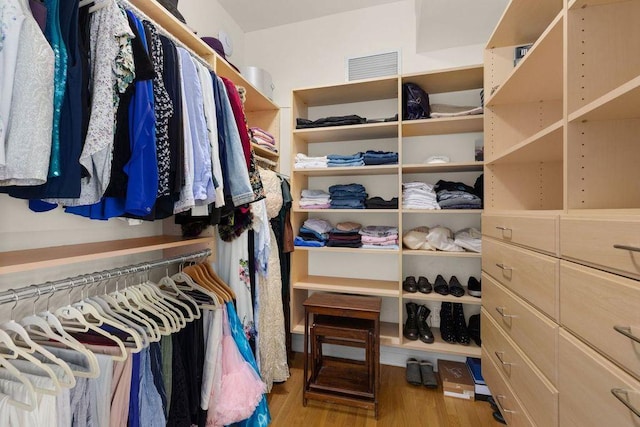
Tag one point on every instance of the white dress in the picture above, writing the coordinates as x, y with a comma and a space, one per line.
28, 147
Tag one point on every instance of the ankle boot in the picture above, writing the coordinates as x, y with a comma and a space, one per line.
410, 330
425, 334
447, 329
461, 331
474, 329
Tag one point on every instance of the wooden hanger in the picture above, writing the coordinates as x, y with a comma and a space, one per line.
200, 277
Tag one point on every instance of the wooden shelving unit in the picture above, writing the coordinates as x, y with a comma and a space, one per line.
443, 167
348, 133
417, 296
381, 288
413, 252
439, 126
350, 170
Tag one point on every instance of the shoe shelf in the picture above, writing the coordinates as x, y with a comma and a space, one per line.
442, 211
350, 170
443, 167
382, 288
444, 125
434, 296
443, 347
349, 132
33, 259
523, 22
418, 252
348, 250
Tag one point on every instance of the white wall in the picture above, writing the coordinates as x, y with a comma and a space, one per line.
313, 52
207, 17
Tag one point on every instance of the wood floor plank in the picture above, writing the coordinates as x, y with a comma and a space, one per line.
401, 404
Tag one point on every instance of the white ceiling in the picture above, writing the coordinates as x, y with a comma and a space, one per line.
254, 15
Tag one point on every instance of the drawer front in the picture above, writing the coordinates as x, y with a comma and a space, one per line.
534, 333
538, 396
592, 240
585, 383
511, 408
537, 232
593, 303
530, 275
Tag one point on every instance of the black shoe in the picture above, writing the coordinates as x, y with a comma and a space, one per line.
413, 372
429, 378
425, 334
493, 404
447, 329
474, 287
461, 331
440, 285
455, 288
498, 417
410, 284
424, 286
410, 330
474, 329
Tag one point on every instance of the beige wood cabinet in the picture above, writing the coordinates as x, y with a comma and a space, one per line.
561, 183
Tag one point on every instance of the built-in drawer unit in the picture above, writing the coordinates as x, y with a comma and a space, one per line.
536, 232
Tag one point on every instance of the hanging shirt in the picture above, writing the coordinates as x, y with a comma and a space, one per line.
28, 146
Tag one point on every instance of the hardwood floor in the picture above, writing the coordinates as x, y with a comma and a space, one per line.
401, 404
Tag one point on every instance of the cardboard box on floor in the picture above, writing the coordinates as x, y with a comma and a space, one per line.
456, 380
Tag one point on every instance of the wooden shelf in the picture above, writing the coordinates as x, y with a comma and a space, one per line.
579, 4
443, 211
544, 146
443, 167
448, 80
418, 252
388, 333
439, 126
264, 152
443, 347
382, 288
523, 21
433, 296
256, 101
621, 103
525, 84
356, 211
348, 250
349, 170
348, 133
344, 93
31, 259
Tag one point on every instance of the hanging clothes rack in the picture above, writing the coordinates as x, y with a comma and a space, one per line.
32, 291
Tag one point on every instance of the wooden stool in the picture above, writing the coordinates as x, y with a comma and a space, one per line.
345, 320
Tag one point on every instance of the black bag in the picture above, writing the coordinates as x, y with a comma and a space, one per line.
415, 102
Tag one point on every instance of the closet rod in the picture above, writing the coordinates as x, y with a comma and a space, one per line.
32, 291
127, 5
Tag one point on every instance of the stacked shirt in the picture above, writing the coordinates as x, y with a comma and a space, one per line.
372, 157
313, 233
456, 195
379, 237
302, 161
345, 235
419, 195
347, 196
344, 160
315, 199
263, 138
380, 203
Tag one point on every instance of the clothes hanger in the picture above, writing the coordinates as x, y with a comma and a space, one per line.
189, 284
159, 302
172, 304
212, 273
132, 294
32, 401
199, 275
168, 287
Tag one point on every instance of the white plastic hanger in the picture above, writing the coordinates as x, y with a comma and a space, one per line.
168, 286
138, 300
31, 403
115, 299
186, 279
151, 292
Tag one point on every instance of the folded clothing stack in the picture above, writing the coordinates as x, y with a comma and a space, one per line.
344, 160
379, 237
443, 239
329, 121
302, 161
313, 233
347, 196
456, 195
315, 199
419, 195
345, 235
263, 138
371, 157
380, 203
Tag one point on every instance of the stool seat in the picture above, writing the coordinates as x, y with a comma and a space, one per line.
344, 320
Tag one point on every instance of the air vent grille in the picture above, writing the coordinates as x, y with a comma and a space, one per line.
371, 66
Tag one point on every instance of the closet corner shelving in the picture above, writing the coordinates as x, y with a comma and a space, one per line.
382, 272
561, 136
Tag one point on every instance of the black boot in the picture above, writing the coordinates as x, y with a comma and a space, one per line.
410, 330
447, 329
474, 328
462, 333
426, 336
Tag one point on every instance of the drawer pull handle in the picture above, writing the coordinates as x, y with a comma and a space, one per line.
503, 228
626, 331
503, 267
501, 312
498, 355
502, 408
623, 396
627, 248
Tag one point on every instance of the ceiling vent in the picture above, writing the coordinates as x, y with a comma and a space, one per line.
372, 66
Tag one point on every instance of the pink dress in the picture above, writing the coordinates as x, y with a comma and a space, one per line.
241, 388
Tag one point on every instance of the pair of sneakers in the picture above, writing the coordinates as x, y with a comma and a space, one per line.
421, 373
